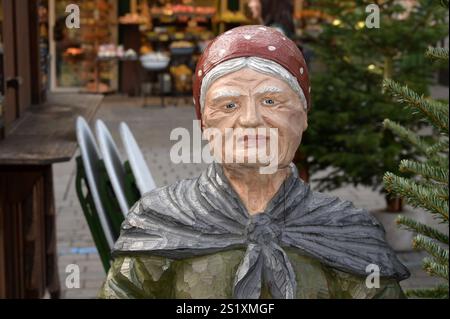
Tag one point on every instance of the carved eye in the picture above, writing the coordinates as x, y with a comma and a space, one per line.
230, 106
268, 102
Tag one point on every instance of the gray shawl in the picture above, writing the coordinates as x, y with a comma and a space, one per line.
204, 215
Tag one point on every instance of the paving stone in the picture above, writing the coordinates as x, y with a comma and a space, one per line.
87, 293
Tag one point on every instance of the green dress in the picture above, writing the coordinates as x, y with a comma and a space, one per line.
212, 276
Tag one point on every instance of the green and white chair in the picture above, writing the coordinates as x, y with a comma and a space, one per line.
88, 186
122, 184
136, 165
106, 186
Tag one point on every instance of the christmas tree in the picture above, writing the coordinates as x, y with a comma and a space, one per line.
428, 187
345, 134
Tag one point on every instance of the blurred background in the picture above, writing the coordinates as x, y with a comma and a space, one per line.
132, 61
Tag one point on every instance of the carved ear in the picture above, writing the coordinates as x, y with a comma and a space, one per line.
306, 121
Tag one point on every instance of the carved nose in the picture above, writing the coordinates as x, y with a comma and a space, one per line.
251, 117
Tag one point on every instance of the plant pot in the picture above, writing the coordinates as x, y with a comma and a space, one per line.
394, 204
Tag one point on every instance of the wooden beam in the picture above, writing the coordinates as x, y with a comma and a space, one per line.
46, 133
23, 54
9, 62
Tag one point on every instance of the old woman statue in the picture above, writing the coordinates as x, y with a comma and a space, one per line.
236, 231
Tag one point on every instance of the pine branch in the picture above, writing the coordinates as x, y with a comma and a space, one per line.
428, 171
437, 160
417, 195
441, 189
435, 269
406, 135
441, 146
435, 111
431, 190
437, 53
423, 229
440, 254
440, 292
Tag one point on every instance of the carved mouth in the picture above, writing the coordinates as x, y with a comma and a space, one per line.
253, 140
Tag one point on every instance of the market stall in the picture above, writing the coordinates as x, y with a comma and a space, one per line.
135, 47
169, 37
77, 53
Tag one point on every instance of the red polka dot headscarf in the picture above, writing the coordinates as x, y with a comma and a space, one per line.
252, 41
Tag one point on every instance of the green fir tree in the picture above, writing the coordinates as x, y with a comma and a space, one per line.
345, 134
427, 186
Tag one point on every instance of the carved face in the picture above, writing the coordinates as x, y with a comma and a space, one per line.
247, 99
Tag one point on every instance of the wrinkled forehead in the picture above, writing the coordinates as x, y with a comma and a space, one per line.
247, 82
249, 76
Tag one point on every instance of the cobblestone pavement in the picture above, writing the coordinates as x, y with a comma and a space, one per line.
151, 127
